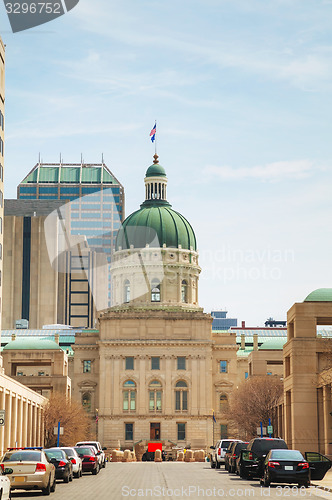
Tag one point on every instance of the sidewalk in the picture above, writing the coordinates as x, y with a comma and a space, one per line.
326, 483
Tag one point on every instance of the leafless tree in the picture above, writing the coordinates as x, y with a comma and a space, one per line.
254, 401
73, 418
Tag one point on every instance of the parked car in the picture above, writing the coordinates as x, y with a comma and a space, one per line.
63, 465
89, 458
4, 484
217, 456
99, 451
289, 466
228, 452
251, 461
235, 453
75, 460
29, 469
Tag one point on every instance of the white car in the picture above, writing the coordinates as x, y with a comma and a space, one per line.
217, 456
99, 451
75, 460
4, 486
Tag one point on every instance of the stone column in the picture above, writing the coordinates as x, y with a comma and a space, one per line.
169, 393
2, 428
202, 387
194, 385
107, 402
8, 422
142, 389
327, 407
13, 432
117, 390
29, 431
19, 421
25, 424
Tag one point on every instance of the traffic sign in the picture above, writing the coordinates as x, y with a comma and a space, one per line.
2, 417
269, 429
55, 430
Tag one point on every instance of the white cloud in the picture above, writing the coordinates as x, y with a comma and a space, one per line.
276, 171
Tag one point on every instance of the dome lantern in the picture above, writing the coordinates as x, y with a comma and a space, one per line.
155, 182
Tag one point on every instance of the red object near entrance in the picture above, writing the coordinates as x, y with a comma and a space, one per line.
155, 446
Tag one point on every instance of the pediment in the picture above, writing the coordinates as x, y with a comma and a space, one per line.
87, 384
222, 385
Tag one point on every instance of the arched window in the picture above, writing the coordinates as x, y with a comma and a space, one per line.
155, 290
126, 291
86, 401
129, 396
184, 291
181, 396
223, 402
155, 393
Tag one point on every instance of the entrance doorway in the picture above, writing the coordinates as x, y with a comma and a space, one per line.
154, 430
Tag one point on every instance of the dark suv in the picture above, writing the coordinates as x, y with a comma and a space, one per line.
251, 462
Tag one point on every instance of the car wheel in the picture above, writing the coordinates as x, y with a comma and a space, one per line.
104, 464
306, 484
71, 477
77, 474
266, 480
66, 478
217, 465
47, 490
213, 465
53, 485
81, 473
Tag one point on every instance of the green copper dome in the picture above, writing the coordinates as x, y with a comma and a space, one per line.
156, 221
155, 170
24, 343
320, 295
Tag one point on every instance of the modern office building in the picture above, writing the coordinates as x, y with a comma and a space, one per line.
50, 276
22, 407
96, 199
221, 322
2, 138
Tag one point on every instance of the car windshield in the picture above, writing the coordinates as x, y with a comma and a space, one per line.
94, 446
22, 456
225, 444
286, 455
84, 451
265, 445
240, 446
57, 454
69, 451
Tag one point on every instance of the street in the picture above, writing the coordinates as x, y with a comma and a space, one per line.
172, 480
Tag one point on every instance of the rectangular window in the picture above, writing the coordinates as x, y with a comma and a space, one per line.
126, 400
181, 362
223, 366
177, 400
184, 400
87, 366
129, 432
155, 363
129, 362
223, 431
181, 432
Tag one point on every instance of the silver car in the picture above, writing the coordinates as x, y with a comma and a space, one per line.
29, 469
75, 460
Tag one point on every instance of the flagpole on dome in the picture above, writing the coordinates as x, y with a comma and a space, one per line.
155, 142
153, 135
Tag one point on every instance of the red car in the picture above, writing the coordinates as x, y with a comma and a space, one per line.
89, 459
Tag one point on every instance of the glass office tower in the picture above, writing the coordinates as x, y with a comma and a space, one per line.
96, 199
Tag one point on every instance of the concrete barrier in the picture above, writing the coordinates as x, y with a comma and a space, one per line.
180, 456
199, 456
126, 456
157, 456
189, 456
117, 455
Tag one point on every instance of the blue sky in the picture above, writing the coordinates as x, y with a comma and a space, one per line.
242, 93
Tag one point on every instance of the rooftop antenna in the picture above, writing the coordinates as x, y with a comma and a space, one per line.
60, 159
102, 158
81, 158
39, 158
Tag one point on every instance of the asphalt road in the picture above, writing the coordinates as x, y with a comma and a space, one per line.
168, 480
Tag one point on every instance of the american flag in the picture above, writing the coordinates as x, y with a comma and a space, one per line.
153, 132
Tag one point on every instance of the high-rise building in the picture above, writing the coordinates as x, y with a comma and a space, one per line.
96, 199
2, 126
221, 322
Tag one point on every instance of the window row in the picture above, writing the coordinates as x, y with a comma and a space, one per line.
156, 291
181, 362
155, 431
1, 146
2, 120
155, 396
